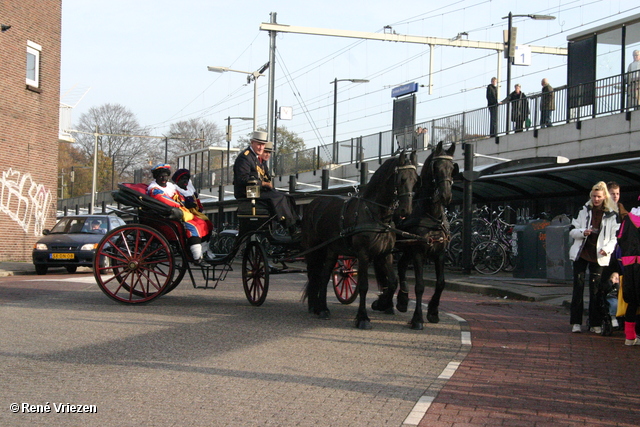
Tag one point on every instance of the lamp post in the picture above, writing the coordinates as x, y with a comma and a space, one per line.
251, 76
335, 109
228, 137
509, 50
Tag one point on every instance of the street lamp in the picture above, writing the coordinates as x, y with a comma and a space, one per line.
335, 109
251, 76
229, 141
511, 48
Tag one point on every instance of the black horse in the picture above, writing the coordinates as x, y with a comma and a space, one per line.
360, 227
429, 222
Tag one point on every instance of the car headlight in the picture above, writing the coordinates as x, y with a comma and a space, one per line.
40, 247
89, 246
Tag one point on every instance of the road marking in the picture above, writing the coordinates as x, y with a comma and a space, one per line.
90, 279
424, 403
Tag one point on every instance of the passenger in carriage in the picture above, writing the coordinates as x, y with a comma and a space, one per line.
250, 165
191, 201
167, 192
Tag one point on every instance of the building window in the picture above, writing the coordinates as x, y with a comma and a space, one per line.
33, 63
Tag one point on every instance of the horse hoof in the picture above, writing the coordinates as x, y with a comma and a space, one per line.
377, 305
433, 318
403, 302
417, 326
324, 315
363, 324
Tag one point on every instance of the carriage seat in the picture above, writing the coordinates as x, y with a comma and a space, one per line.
135, 195
262, 208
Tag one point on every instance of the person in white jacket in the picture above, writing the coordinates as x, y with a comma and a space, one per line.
594, 234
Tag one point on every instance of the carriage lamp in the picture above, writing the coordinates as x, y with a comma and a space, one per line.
253, 189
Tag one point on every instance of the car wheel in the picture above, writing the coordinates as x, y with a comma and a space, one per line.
41, 269
71, 269
105, 263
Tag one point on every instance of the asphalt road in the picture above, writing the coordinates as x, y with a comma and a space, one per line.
206, 357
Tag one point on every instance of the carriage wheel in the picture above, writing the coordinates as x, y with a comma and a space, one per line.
255, 273
140, 267
488, 257
345, 280
179, 267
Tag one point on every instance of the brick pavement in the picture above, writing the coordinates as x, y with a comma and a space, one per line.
526, 369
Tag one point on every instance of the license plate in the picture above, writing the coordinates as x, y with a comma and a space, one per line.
62, 256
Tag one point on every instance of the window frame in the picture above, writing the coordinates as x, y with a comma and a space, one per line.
35, 50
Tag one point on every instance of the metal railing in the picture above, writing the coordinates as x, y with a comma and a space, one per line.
610, 95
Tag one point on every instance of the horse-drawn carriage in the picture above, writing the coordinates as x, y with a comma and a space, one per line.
148, 258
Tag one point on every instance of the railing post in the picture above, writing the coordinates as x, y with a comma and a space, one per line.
364, 173
351, 149
220, 207
325, 179
292, 183
462, 132
467, 210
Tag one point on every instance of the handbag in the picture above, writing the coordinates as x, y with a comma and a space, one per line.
622, 305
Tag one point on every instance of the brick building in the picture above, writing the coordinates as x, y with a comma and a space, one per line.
29, 112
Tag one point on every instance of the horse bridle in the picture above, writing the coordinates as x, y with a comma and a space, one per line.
399, 168
440, 157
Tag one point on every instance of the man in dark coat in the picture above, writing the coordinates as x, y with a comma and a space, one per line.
519, 107
547, 104
492, 103
249, 166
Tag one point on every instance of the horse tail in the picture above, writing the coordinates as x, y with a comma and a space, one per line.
305, 292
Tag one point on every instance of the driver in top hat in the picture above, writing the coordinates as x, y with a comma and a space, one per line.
249, 165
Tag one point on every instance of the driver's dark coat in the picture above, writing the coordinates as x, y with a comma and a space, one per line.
244, 169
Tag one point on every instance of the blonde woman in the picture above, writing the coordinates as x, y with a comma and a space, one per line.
594, 233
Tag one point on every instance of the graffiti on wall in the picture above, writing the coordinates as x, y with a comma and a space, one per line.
24, 201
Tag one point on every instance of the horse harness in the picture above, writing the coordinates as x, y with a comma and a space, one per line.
438, 228
381, 226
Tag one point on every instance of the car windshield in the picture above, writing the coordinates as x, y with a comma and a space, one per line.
73, 225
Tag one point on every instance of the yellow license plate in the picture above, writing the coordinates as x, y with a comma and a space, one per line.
62, 256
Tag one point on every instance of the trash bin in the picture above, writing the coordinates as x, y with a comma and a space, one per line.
559, 266
531, 258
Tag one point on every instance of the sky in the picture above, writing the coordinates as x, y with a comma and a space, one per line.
151, 56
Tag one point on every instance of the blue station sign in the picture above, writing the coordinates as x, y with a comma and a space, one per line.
404, 89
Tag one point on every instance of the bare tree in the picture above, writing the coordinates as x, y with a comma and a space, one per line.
120, 143
190, 135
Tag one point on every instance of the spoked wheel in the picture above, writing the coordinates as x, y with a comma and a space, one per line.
453, 258
179, 266
345, 280
488, 257
140, 264
255, 273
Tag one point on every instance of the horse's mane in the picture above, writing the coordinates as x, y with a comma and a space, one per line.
379, 177
425, 189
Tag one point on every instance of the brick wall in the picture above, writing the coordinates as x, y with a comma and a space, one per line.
28, 125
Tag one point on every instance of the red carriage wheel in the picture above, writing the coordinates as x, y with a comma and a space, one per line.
345, 280
140, 264
255, 273
179, 267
